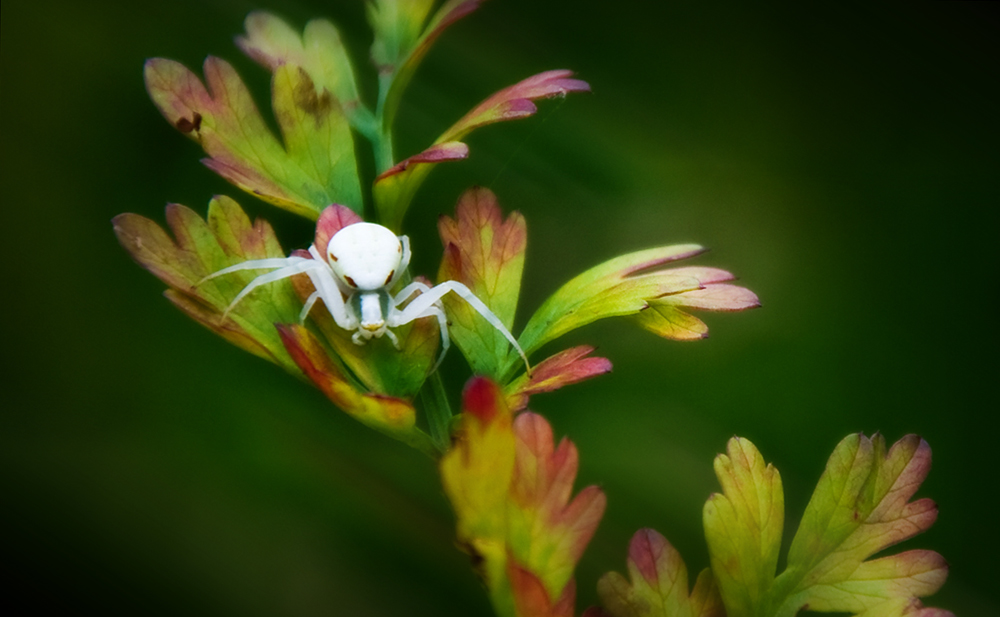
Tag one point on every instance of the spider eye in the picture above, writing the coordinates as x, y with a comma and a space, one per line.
333, 257
350, 281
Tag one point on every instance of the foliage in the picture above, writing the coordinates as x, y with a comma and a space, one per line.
510, 483
860, 507
511, 487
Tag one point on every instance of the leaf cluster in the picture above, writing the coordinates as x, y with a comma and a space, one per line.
860, 507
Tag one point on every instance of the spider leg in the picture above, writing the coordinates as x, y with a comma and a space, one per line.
256, 264
392, 337
323, 280
419, 308
443, 327
408, 291
289, 270
308, 306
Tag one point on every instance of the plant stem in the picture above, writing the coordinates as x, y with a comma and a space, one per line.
435, 403
421, 441
383, 149
383, 137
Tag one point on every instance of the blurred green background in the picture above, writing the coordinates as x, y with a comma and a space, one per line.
842, 160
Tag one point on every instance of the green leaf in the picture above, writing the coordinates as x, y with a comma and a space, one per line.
630, 285
861, 507
659, 584
390, 415
200, 248
378, 364
394, 189
314, 168
743, 527
318, 50
612, 288
485, 253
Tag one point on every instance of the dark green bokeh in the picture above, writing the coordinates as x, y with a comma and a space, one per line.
841, 160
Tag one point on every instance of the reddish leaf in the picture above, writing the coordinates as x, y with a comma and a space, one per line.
395, 187
515, 102
566, 367
394, 191
448, 151
548, 532
532, 600
333, 218
665, 316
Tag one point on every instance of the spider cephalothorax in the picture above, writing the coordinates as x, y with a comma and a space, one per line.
362, 262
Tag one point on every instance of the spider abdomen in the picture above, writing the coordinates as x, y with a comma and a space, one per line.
365, 255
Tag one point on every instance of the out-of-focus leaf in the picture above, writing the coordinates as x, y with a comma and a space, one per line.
476, 474
200, 248
659, 584
485, 253
547, 531
402, 40
397, 25
387, 414
861, 507
566, 367
314, 168
531, 598
743, 527
271, 42
902, 607
394, 189
511, 489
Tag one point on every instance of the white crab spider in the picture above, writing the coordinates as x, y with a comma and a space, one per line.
363, 261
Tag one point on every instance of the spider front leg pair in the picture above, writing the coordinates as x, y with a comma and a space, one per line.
428, 304
362, 262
